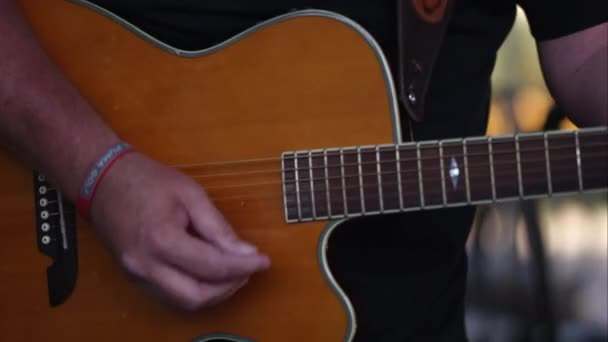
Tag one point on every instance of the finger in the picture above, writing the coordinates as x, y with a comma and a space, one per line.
188, 293
207, 262
222, 298
207, 221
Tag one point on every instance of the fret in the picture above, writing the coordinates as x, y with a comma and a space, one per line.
289, 187
410, 176
548, 166
312, 186
361, 187
379, 171
454, 165
444, 195
399, 183
594, 158
518, 158
327, 194
479, 172
352, 181
390, 182
507, 167
578, 162
298, 200
319, 185
335, 180
303, 188
420, 183
466, 170
431, 173
492, 173
563, 162
533, 164
370, 180
343, 177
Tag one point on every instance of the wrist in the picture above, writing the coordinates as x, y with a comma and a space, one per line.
95, 174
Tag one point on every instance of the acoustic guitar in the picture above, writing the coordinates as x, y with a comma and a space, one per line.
293, 128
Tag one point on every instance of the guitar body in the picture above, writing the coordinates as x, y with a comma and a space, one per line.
306, 80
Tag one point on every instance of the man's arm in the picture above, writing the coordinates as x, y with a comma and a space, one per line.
575, 68
43, 119
45, 122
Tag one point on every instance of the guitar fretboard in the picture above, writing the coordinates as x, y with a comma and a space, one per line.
369, 180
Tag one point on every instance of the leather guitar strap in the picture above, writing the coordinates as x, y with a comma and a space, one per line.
421, 25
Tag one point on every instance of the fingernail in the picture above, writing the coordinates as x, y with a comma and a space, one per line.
266, 262
243, 283
241, 247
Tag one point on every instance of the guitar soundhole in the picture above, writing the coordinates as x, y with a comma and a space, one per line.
221, 338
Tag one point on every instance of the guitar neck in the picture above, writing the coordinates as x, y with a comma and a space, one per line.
368, 180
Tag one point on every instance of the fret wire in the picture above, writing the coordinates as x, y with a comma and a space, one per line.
578, 162
465, 146
297, 174
329, 213
474, 154
518, 158
399, 184
312, 187
343, 182
441, 167
437, 192
492, 179
529, 196
601, 154
394, 194
466, 170
284, 188
477, 166
360, 169
537, 171
379, 169
601, 130
547, 156
421, 186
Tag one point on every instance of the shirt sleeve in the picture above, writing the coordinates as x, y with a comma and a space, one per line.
551, 19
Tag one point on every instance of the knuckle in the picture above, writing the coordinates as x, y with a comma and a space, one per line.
215, 265
222, 272
194, 304
161, 241
132, 265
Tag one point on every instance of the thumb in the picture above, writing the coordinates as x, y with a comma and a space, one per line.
212, 226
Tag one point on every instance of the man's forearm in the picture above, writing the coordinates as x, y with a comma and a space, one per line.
43, 119
576, 70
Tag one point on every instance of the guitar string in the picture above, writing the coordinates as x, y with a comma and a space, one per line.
405, 185
429, 177
374, 186
336, 196
539, 167
393, 171
392, 161
413, 146
372, 203
412, 170
393, 187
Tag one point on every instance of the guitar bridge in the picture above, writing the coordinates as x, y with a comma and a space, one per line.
56, 235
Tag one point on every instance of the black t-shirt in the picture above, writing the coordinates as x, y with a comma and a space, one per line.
409, 270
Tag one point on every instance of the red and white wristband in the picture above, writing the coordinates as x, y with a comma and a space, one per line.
95, 175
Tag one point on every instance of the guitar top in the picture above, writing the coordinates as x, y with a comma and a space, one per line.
293, 128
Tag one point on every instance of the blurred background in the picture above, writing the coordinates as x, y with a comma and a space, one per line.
538, 270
